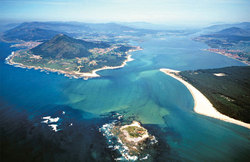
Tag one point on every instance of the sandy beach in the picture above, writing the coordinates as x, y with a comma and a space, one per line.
94, 74
201, 104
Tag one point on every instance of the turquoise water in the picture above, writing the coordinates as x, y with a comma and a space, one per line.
142, 91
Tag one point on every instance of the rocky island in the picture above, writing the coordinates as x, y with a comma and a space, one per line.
73, 57
134, 132
134, 140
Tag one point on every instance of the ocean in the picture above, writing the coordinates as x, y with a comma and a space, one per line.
138, 91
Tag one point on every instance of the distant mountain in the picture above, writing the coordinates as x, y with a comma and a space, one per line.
28, 34
234, 41
243, 25
149, 26
63, 46
31, 31
160, 27
142, 25
4, 26
27, 30
234, 31
68, 27
229, 35
110, 27
75, 27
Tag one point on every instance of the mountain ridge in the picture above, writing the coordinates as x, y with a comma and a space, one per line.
234, 31
73, 29
28, 34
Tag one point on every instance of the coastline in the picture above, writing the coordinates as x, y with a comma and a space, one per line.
201, 104
134, 139
74, 74
219, 53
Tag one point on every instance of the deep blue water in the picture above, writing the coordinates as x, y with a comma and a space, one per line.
138, 90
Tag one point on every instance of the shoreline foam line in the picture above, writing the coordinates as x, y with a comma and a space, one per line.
201, 104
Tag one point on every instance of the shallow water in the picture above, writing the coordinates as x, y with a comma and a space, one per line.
141, 91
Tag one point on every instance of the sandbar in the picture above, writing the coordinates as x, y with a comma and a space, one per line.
201, 104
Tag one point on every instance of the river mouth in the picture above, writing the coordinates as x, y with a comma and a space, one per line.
160, 103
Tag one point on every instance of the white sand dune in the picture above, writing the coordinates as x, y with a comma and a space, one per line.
201, 104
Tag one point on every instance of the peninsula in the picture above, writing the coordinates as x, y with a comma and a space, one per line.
202, 105
231, 42
73, 57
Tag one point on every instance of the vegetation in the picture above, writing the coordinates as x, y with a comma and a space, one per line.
33, 31
230, 39
29, 34
135, 131
69, 54
230, 94
62, 46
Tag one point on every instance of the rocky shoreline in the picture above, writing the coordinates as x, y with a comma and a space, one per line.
135, 147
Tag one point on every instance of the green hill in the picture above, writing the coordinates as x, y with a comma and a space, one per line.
62, 46
71, 56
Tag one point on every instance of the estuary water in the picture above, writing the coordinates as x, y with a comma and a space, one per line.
139, 91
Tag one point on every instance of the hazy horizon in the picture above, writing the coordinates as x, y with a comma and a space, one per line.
163, 12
